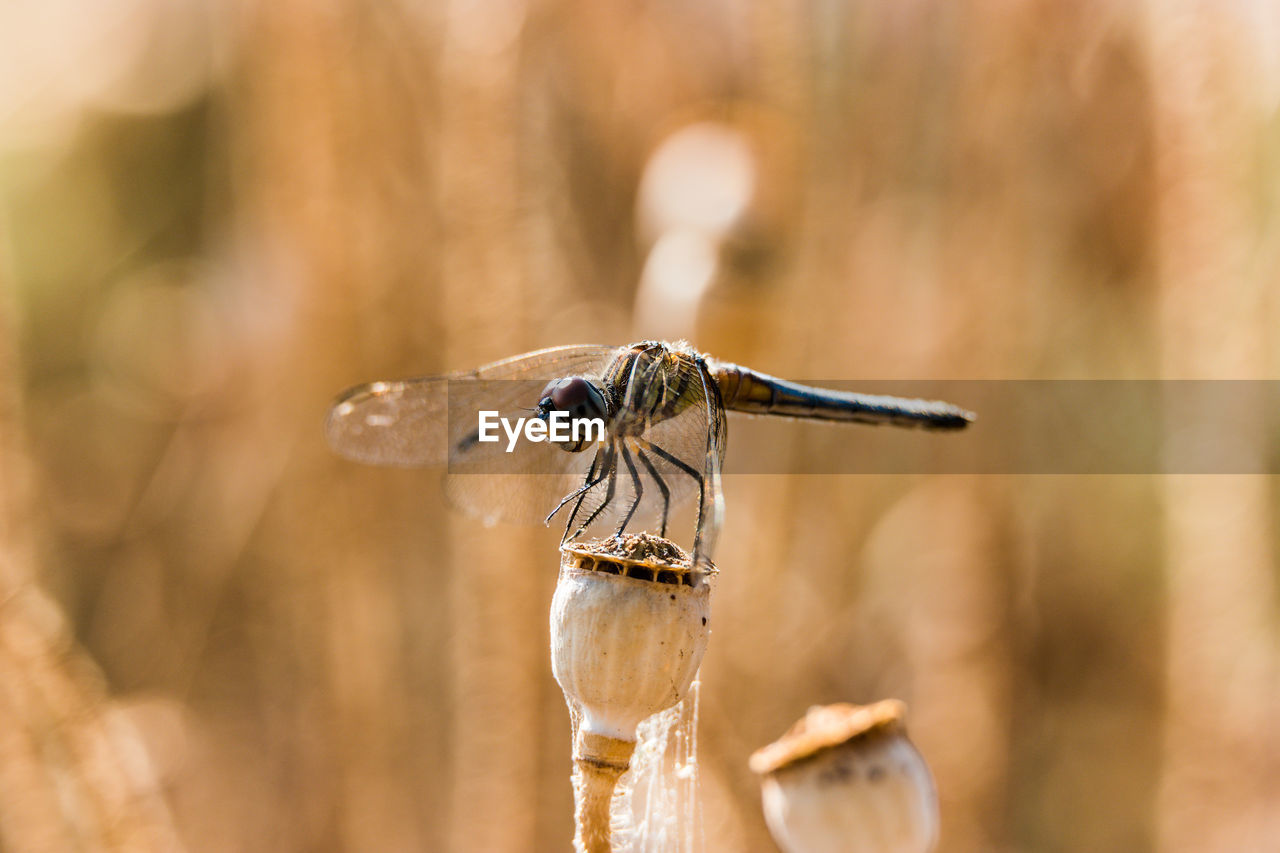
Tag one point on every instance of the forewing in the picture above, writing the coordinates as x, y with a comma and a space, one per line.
518, 486
407, 422
392, 423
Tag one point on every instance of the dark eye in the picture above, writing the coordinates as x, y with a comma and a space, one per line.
576, 396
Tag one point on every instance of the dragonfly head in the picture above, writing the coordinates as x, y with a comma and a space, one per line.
582, 401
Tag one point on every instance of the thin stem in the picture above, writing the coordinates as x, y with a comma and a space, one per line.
600, 761
594, 792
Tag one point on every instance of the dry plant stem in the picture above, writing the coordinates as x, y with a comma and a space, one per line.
600, 762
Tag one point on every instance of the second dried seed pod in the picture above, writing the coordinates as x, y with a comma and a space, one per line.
845, 778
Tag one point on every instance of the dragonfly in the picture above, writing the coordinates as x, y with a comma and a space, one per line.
660, 411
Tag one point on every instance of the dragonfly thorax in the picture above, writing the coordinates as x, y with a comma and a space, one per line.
578, 398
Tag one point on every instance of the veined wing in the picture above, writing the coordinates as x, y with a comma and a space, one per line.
518, 482
711, 511
407, 423
684, 446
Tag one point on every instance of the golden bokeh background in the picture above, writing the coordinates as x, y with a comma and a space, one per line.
217, 636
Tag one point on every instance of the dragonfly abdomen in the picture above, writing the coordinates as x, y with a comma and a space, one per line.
745, 390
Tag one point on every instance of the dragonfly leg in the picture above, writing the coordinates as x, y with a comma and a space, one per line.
685, 467
639, 487
602, 463
608, 494
662, 487
588, 483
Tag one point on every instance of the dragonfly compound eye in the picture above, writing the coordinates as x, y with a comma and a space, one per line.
583, 402
576, 396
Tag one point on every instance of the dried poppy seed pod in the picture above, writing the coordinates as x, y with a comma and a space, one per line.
846, 778
628, 631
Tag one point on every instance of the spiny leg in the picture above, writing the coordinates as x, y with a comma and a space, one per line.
600, 465
612, 467
662, 487
639, 487
688, 469
590, 480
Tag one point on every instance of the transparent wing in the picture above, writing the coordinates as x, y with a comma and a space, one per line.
518, 487
711, 510
434, 421
406, 422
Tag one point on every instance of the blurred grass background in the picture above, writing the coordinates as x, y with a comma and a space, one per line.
213, 217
